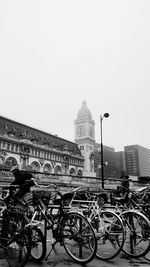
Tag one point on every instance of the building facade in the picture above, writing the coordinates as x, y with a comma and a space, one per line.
84, 128
120, 163
109, 168
91, 151
134, 160
35, 150
137, 160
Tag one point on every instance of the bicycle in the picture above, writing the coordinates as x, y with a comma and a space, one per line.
108, 226
69, 228
16, 243
16, 212
137, 227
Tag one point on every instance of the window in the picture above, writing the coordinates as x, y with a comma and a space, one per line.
53, 156
8, 146
3, 145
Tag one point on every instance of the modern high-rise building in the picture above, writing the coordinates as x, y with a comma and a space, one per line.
119, 163
108, 161
137, 159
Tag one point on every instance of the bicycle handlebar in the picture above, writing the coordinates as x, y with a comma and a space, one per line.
43, 186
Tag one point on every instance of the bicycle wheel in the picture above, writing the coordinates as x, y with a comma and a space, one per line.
110, 234
147, 256
17, 249
2, 212
15, 239
78, 238
38, 244
137, 227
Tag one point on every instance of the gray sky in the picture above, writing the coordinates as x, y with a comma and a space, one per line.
55, 54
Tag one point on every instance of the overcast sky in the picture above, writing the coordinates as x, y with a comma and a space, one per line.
55, 54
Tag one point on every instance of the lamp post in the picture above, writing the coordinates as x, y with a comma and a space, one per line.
106, 115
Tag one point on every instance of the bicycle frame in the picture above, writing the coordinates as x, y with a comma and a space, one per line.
50, 219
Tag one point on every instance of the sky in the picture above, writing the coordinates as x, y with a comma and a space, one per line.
56, 53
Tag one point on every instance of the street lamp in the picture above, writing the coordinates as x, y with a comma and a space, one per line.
106, 115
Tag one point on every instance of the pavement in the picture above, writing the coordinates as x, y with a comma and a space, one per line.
59, 258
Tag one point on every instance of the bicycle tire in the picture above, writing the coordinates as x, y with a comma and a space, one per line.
2, 212
78, 238
147, 256
110, 234
38, 244
137, 226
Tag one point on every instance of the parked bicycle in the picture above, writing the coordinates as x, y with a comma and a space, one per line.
68, 228
137, 226
108, 226
17, 229
13, 240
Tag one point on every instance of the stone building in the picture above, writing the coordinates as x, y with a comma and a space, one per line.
84, 128
35, 150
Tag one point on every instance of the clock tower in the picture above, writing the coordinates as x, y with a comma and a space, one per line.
84, 128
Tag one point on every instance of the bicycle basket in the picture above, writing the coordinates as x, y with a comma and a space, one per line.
42, 195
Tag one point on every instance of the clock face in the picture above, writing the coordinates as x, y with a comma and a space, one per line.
80, 131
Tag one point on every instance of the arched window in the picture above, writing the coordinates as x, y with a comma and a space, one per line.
47, 168
35, 166
57, 169
80, 172
10, 161
72, 171
91, 157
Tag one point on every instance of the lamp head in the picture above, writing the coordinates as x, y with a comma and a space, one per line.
106, 115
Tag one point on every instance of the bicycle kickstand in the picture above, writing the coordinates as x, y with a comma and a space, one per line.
53, 246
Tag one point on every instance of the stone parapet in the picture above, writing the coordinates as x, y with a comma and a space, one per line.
71, 181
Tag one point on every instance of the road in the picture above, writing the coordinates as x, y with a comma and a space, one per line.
59, 258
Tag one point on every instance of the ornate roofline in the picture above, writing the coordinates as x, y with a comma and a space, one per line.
18, 131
